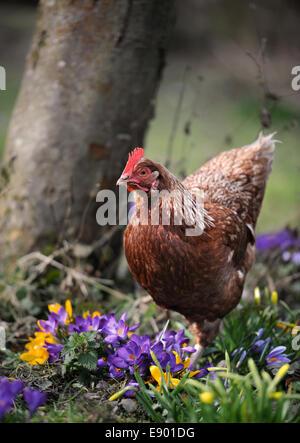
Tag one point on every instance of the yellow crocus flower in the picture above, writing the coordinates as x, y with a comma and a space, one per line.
36, 353
68, 308
186, 363
35, 356
96, 313
55, 307
156, 374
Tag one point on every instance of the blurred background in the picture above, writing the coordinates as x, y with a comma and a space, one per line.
227, 76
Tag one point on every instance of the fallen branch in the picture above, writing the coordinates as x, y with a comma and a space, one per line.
71, 273
286, 280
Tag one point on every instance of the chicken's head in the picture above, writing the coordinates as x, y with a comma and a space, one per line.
139, 172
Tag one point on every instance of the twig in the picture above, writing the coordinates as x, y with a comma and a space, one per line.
105, 238
154, 325
271, 283
286, 280
187, 131
176, 120
78, 276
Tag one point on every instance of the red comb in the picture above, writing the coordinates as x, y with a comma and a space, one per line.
134, 157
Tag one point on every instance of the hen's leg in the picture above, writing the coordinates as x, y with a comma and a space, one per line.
196, 356
204, 333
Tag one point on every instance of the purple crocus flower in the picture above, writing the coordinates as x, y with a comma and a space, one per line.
34, 399
143, 341
259, 343
174, 367
54, 351
101, 363
49, 325
204, 372
283, 239
116, 330
113, 370
259, 333
6, 402
8, 391
133, 354
293, 257
176, 341
13, 386
296, 258
144, 359
162, 356
257, 347
242, 358
81, 324
97, 323
276, 357
130, 393
119, 362
54, 319
242, 355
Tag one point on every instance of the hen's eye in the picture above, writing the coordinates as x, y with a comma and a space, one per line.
143, 172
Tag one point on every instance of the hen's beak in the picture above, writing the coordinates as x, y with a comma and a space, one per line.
122, 180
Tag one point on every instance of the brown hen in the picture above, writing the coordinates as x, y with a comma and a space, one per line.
200, 275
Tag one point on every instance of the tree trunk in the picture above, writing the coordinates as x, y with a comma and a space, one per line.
86, 98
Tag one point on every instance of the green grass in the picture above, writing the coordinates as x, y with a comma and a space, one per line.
8, 99
17, 24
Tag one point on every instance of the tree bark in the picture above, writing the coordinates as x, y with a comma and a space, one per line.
86, 98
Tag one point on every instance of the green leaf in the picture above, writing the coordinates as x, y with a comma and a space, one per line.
69, 356
88, 360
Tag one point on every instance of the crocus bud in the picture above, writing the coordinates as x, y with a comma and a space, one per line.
257, 295
274, 298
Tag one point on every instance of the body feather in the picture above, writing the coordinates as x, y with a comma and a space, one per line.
202, 277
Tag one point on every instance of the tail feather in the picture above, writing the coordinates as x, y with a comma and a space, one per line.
237, 178
264, 147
